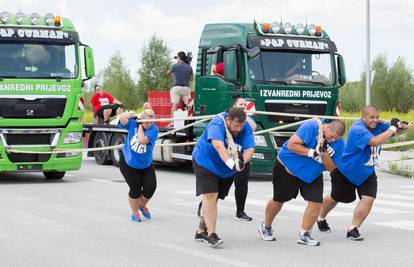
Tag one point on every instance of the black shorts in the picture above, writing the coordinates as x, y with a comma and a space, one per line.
208, 182
287, 186
344, 191
140, 181
112, 107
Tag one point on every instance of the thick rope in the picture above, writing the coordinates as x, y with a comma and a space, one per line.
205, 118
232, 148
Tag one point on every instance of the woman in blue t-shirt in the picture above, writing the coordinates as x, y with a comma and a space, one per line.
136, 161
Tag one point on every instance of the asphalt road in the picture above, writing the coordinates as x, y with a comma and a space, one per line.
84, 221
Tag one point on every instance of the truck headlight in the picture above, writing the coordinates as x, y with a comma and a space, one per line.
72, 138
260, 140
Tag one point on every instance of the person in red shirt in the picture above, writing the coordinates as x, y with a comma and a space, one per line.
218, 69
104, 104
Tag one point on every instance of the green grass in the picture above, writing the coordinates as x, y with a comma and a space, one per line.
388, 115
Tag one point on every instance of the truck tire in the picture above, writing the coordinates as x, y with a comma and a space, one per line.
54, 175
101, 157
116, 139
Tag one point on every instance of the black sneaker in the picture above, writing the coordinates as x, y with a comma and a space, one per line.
200, 237
213, 240
199, 208
324, 226
202, 225
242, 216
354, 234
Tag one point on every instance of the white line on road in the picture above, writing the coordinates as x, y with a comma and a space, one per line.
99, 180
188, 192
394, 203
291, 207
210, 256
405, 225
407, 186
397, 196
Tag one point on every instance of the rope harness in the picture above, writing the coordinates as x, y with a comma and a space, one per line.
232, 147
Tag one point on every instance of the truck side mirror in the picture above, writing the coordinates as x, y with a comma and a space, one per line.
89, 63
341, 70
230, 65
253, 52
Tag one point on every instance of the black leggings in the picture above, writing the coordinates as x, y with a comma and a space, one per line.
140, 182
241, 187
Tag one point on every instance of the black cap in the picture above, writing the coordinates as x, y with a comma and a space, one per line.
181, 55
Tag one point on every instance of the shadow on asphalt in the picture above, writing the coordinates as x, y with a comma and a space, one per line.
27, 178
263, 177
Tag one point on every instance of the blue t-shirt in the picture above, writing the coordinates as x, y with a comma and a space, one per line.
136, 155
181, 73
206, 155
303, 167
359, 158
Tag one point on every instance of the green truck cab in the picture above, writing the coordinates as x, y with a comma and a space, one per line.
41, 99
277, 67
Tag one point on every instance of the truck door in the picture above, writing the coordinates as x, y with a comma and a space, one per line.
215, 90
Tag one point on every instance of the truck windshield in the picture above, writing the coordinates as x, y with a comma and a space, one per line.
38, 60
277, 67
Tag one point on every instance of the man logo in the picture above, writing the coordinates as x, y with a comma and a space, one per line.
29, 112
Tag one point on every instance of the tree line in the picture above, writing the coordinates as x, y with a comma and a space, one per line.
392, 85
392, 88
116, 79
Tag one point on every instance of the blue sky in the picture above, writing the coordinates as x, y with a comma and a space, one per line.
110, 26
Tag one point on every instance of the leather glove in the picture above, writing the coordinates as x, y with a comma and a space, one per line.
394, 124
323, 147
314, 154
239, 163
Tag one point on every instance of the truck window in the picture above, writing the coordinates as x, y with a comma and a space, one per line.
212, 59
291, 67
38, 60
231, 65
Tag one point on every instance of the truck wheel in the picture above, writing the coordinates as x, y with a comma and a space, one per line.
116, 139
54, 175
101, 157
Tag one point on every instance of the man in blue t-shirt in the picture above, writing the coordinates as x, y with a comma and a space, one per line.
314, 147
215, 167
356, 169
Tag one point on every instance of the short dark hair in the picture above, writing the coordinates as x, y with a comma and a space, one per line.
367, 109
96, 87
181, 55
237, 113
338, 127
235, 99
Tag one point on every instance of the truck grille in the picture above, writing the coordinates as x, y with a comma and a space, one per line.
33, 139
294, 106
32, 106
17, 157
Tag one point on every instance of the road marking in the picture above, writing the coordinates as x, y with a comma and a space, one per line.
100, 180
407, 186
209, 256
397, 196
405, 225
188, 192
394, 203
295, 208
173, 212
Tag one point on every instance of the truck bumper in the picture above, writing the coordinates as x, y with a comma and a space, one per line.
43, 162
53, 164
